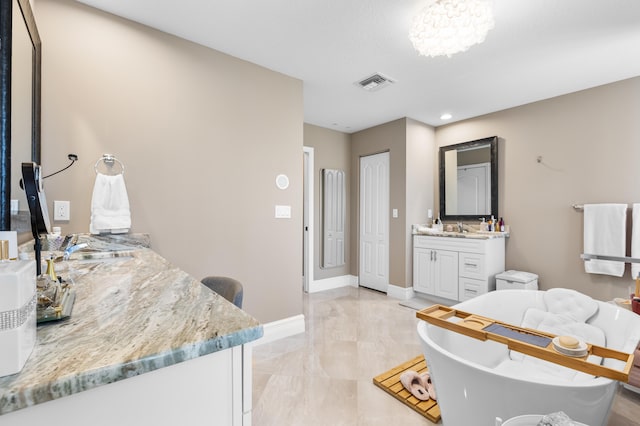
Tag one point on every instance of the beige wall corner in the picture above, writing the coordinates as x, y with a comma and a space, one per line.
588, 143
202, 135
421, 170
411, 148
332, 150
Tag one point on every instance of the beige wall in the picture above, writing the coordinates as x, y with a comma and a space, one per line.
421, 179
389, 137
589, 142
202, 136
331, 150
411, 150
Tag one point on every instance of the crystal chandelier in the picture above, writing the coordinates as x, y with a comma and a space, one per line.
450, 26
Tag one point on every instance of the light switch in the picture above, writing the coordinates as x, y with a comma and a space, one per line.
394, 213
283, 212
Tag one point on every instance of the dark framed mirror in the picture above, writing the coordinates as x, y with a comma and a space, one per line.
20, 67
469, 180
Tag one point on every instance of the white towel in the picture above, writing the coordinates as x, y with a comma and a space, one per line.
110, 205
604, 234
635, 240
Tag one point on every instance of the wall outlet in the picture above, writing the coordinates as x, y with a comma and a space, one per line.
61, 210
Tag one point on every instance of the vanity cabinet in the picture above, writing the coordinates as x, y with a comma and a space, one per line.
436, 272
456, 268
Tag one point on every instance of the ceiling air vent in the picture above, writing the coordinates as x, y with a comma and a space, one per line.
375, 82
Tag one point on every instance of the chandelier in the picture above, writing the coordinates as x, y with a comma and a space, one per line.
450, 26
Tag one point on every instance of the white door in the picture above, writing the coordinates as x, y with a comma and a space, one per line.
474, 193
374, 221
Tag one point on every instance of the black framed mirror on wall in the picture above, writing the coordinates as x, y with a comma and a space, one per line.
469, 180
20, 79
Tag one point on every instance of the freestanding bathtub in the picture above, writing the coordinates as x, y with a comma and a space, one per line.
472, 392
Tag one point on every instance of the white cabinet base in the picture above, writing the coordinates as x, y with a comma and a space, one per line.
203, 391
456, 268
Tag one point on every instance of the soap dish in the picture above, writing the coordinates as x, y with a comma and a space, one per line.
579, 351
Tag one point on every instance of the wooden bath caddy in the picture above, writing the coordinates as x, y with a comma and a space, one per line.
475, 326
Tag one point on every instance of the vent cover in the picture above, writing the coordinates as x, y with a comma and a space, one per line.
375, 82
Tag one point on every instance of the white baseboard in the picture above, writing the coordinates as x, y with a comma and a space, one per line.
401, 293
280, 329
334, 282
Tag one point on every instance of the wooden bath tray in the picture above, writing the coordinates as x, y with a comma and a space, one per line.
475, 326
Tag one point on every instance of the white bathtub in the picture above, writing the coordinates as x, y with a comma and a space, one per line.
471, 392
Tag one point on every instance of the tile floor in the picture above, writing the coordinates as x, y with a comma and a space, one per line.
324, 376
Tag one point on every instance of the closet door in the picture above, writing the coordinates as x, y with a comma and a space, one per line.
374, 222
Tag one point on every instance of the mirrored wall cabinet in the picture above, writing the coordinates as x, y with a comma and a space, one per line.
469, 180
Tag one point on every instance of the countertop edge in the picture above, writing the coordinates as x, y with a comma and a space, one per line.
92, 379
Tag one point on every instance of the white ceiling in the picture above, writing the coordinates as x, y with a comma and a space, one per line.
537, 50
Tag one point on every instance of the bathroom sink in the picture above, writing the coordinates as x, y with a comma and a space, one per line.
453, 234
101, 256
464, 235
95, 249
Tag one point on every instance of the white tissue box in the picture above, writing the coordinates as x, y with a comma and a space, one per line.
17, 314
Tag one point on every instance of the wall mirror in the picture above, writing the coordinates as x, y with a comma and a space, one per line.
333, 217
19, 107
469, 180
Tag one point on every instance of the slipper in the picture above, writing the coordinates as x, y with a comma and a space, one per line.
428, 385
414, 384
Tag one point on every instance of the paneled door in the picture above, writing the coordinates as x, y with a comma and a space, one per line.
333, 217
374, 222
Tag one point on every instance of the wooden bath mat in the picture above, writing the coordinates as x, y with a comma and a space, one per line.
390, 383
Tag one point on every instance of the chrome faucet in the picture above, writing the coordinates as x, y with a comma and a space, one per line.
72, 249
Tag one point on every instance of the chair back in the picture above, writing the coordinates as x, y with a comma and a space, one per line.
226, 287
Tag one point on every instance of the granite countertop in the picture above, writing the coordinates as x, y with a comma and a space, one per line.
470, 232
480, 235
133, 313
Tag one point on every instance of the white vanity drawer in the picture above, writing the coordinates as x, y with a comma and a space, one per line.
471, 265
470, 288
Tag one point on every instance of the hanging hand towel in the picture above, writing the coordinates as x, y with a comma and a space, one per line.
604, 234
110, 205
635, 240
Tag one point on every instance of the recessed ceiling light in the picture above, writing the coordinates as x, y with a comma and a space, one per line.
446, 116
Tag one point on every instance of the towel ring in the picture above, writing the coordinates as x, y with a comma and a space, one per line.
109, 160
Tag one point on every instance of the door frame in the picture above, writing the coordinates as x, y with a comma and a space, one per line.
308, 217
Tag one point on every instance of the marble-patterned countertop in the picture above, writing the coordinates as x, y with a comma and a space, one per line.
481, 235
133, 314
470, 231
